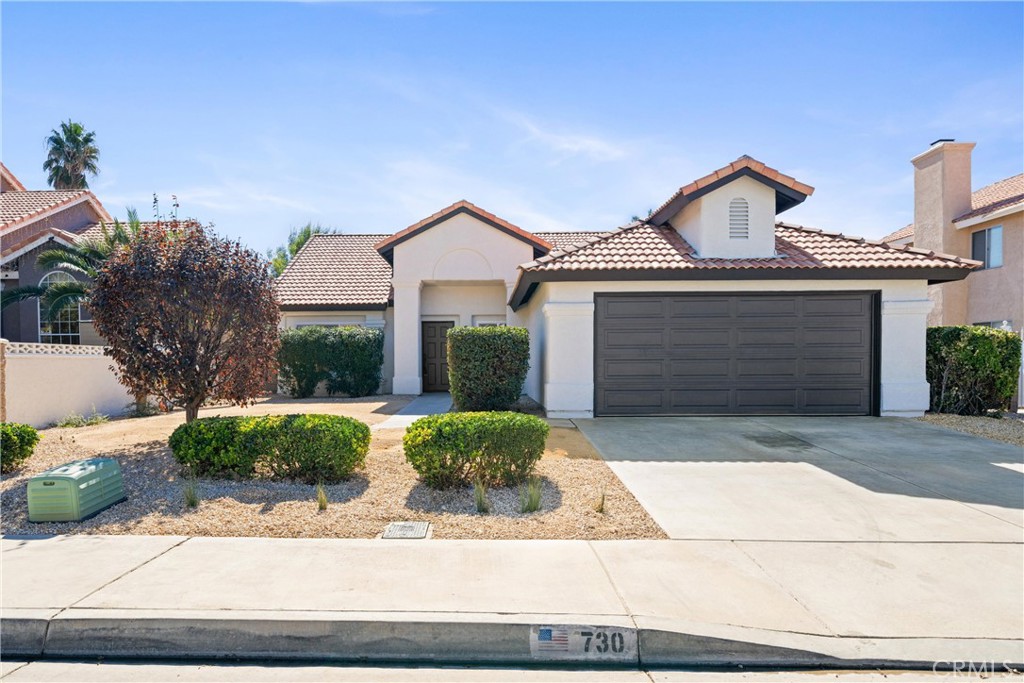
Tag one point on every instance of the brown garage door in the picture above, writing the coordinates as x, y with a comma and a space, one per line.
736, 354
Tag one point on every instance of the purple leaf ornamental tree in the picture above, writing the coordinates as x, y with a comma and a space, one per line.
187, 316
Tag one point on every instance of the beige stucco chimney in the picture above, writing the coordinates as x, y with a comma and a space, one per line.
942, 191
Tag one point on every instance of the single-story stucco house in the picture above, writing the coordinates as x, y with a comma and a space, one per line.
710, 306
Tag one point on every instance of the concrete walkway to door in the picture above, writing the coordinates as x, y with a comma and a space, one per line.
421, 406
816, 478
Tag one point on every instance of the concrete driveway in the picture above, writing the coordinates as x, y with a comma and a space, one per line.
816, 478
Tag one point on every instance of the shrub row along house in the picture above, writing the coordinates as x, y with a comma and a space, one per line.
711, 305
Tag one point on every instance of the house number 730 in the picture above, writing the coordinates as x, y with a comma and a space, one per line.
602, 641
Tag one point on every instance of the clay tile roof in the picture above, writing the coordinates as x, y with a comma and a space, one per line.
336, 270
641, 246
19, 206
743, 163
461, 207
1006, 192
904, 232
998, 195
8, 181
94, 231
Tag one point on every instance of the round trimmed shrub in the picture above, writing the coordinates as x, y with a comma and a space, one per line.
496, 448
487, 366
308, 448
218, 446
315, 448
17, 441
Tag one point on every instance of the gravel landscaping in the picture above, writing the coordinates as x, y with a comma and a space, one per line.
1008, 429
387, 490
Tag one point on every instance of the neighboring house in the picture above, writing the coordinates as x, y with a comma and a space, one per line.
986, 225
32, 221
709, 306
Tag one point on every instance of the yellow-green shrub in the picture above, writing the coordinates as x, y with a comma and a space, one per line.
495, 448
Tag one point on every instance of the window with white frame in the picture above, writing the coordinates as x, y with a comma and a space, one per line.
987, 246
489, 320
64, 327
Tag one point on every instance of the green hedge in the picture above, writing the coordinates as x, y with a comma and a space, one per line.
17, 441
496, 448
309, 448
348, 359
487, 366
972, 369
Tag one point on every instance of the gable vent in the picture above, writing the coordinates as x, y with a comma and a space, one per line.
739, 219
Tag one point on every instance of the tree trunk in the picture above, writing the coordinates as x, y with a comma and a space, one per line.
191, 411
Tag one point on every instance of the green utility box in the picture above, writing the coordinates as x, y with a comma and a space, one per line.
75, 491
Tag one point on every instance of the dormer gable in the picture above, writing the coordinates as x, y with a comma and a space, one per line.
731, 213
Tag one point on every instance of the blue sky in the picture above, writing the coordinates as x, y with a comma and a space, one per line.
368, 117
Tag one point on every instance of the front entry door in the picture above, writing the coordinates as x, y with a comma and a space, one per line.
435, 355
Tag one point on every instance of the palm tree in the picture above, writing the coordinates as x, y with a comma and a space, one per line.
84, 259
72, 154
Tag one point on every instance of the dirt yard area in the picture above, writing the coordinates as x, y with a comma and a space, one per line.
387, 490
1008, 429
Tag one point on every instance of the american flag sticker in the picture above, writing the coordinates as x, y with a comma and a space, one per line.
583, 643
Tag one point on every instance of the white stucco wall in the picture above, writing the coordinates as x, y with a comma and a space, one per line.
46, 382
564, 340
704, 223
464, 304
460, 269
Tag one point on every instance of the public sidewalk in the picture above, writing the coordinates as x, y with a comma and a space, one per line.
633, 604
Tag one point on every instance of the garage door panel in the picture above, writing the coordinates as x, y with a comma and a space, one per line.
633, 339
836, 306
646, 399
700, 308
633, 307
681, 339
735, 354
703, 368
710, 400
749, 307
768, 336
634, 368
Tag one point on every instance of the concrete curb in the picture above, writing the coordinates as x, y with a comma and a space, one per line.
458, 639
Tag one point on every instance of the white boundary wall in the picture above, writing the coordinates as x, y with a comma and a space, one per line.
42, 383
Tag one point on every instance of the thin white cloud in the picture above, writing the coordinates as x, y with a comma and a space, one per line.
565, 144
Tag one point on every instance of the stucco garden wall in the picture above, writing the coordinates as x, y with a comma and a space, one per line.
561, 318
44, 382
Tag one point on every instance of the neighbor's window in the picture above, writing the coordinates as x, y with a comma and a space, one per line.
987, 246
64, 327
739, 219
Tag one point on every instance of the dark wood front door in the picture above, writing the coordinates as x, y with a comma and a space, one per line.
435, 355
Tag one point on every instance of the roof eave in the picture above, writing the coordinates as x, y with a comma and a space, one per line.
1001, 212
785, 197
530, 280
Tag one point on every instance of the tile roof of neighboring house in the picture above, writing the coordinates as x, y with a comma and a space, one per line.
336, 271
998, 195
28, 238
461, 206
8, 180
641, 246
346, 271
744, 165
23, 205
902, 233
995, 196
